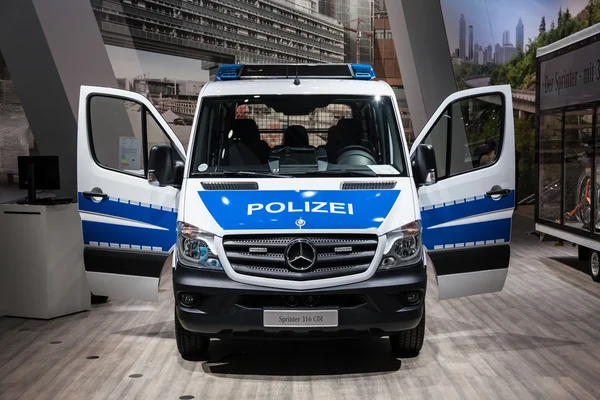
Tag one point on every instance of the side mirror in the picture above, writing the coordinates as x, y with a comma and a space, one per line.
178, 179
424, 165
161, 166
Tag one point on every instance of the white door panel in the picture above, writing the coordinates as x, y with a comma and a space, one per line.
128, 224
466, 229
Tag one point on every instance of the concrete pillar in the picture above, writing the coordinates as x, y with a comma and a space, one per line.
422, 49
51, 48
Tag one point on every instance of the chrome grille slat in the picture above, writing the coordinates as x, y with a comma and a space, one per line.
265, 258
282, 273
271, 262
283, 241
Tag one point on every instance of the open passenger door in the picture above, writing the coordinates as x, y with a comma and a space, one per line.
467, 213
128, 219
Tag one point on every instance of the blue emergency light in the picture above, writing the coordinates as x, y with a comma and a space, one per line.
282, 71
362, 71
229, 71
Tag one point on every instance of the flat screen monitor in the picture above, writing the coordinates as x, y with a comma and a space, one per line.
46, 175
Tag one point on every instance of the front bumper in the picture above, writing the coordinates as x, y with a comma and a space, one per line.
224, 308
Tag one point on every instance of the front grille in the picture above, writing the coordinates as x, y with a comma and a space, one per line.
264, 255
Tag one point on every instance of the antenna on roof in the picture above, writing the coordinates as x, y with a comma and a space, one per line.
297, 80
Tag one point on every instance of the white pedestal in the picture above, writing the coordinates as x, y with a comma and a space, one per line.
42, 274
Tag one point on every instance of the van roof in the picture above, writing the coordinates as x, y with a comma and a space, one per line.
256, 87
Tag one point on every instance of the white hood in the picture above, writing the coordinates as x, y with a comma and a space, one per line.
289, 204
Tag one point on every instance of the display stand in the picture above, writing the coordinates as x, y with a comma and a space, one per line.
42, 274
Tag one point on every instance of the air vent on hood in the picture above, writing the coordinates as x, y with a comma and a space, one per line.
366, 185
230, 185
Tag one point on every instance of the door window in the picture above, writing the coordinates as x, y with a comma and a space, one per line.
468, 135
438, 139
116, 138
550, 165
155, 135
578, 168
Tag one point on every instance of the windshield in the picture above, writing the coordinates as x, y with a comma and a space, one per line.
296, 135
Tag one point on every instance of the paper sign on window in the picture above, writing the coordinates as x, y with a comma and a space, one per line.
130, 153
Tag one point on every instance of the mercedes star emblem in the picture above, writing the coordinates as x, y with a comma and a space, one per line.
300, 255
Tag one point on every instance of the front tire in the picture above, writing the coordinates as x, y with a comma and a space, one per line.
595, 266
191, 345
409, 343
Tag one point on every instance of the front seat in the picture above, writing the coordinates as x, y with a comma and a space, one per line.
295, 136
337, 139
246, 131
353, 127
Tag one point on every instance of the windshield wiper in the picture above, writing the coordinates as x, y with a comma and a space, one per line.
349, 172
241, 173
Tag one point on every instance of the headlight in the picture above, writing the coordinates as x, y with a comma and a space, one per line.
195, 248
403, 246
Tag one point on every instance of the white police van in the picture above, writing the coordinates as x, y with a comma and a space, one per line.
298, 209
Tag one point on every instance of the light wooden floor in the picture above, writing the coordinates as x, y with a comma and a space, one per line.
538, 339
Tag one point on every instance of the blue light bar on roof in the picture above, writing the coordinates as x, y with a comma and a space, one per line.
362, 71
303, 71
229, 71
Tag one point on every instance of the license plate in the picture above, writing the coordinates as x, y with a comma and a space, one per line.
300, 318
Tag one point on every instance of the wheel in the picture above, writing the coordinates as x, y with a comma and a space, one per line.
595, 266
409, 343
191, 345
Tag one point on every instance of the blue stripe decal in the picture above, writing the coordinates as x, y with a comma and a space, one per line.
496, 231
127, 235
465, 208
468, 233
297, 209
126, 209
96, 232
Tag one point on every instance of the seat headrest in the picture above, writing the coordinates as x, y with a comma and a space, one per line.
491, 144
336, 138
352, 127
295, 136
245, 129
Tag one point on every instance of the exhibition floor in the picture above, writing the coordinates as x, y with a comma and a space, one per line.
538, 338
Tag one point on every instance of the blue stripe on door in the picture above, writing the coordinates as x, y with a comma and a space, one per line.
496, 231
97, 232
469, 233
455, 210
127, 235
154, 215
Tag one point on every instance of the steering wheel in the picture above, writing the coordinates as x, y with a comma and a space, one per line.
358, 147
356, 156
281, 149
289, 161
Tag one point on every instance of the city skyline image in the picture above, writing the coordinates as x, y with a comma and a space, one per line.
500, 22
